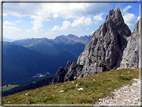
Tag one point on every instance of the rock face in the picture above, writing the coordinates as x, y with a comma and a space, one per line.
110, 48
60, 74
108, 42
131, 53
71, 72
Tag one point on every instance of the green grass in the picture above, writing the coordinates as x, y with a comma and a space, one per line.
94, 87
5, 88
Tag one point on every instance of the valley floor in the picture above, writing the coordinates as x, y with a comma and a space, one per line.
126, 95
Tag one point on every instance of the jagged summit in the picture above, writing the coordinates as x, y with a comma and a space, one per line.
114, 21
115, 16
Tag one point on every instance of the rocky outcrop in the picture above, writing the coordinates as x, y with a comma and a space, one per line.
130, 57
110, 48
70, 72
60, 74
73, 72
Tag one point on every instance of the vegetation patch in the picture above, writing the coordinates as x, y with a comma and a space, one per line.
86, 90
8, 87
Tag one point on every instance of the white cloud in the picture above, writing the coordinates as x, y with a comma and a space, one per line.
41, 12
129, 19
98, 18
66, 25
55, 16
82, 21
138, 18
126, 9
8, 23
4, 14
56, 28
12, 28
28, 30
37, 23
18, 21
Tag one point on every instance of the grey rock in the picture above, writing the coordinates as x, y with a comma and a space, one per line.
60, 74
73, 72
130, 57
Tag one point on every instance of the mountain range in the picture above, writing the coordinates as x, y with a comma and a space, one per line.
55, 46
25, 59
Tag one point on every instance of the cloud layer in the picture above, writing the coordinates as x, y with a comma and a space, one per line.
41, 12
80, 21
11, 25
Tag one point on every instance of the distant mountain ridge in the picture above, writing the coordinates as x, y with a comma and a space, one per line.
74, 39
60, 39
19, 57
53, 46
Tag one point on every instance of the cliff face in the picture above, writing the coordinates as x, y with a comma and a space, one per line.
130, 57
111, 47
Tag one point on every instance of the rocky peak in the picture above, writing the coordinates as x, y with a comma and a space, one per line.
114, 21
104, 51
136, 33
115, 16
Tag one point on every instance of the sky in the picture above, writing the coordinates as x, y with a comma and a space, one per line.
39, 20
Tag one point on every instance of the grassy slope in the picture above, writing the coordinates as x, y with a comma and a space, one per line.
94, 87
5, 88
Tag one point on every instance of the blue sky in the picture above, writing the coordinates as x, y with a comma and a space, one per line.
38, 20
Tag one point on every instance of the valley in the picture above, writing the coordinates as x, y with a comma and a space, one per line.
23, 60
